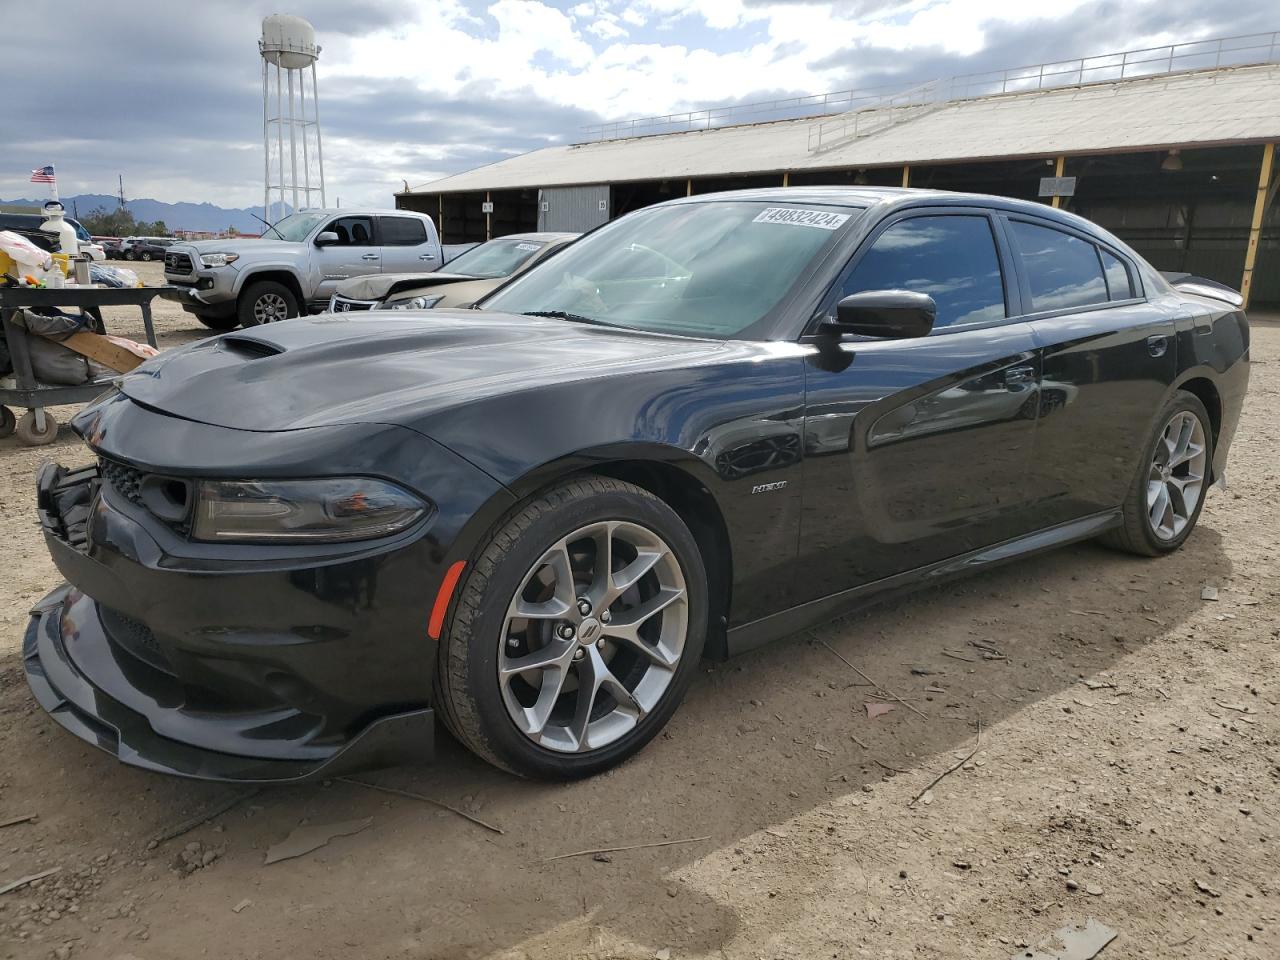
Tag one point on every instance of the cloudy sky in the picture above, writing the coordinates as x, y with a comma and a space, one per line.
169, 93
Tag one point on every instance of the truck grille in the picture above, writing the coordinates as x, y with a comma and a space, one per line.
343, 305
177, 263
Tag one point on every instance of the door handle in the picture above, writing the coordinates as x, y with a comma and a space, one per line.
370, 256
1016, 376
427, 256
1157, 345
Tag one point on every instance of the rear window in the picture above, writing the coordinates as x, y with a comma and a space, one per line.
1119, 283
403, 232
1062, 270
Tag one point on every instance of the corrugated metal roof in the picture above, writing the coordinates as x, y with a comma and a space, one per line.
1207, 107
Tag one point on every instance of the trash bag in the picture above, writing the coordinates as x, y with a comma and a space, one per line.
25, 253
52, 363
50, 323
110, 276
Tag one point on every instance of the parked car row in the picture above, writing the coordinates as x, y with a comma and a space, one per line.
710, 423
138, 248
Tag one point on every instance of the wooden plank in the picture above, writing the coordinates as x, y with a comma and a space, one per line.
1255, 227
99, 348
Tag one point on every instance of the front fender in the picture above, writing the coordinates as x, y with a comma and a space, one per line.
250, 272
735, 429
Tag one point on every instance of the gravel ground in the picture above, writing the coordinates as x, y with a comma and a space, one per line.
1127, 771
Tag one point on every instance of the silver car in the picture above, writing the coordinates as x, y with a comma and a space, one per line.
473, 275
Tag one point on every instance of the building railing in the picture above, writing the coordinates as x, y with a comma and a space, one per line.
1239, 51
888, 111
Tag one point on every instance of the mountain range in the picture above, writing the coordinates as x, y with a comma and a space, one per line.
176, 216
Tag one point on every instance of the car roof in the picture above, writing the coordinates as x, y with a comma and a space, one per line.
361, 212
546, 236
893, 197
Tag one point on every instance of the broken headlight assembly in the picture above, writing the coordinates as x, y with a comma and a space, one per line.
298, 511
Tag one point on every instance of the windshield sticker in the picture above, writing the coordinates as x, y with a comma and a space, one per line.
527, 246
802, 218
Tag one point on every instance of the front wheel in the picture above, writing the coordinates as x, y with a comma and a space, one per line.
576, 632
265, 302
1164, 502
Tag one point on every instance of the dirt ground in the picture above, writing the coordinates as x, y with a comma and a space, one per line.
1128, 771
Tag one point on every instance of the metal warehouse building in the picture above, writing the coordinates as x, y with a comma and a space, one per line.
1172, 149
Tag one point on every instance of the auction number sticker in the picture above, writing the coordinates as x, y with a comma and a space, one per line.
527, 246
802, 218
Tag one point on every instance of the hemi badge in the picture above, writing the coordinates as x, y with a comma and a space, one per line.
768, 487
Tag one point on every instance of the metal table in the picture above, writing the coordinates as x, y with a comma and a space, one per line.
37, 426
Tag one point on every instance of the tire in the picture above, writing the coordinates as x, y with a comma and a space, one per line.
478, 637
145, 257
30, 436
262, 302
219, 322
1139, 533
7, 422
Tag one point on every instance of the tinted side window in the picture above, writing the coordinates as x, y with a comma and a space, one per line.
1119, 283
403, 232
353, 231
951, 258
1062, 270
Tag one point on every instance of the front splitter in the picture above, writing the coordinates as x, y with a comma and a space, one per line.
73, 701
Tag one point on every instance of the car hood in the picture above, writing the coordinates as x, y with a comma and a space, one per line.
375, 286
390, 366
238, 245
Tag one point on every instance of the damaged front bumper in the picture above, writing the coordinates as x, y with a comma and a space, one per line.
204, 700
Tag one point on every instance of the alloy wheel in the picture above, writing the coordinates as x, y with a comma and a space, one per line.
269, 308
593, 636
1176, 481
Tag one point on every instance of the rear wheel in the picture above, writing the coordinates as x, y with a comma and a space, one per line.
7, 422
265, 302
146, 256
576, 632
1167, 494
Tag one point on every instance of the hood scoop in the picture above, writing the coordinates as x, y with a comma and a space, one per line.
249, 347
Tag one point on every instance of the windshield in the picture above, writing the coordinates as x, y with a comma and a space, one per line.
294, 227
497, 258
709, 269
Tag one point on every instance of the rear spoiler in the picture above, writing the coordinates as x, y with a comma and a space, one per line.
1204, 287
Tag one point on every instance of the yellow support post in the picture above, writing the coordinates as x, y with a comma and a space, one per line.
906, 175
1255, 227
688, 187
786, 178
488, 219
1057, 172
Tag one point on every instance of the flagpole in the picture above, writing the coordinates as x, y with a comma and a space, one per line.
53, 185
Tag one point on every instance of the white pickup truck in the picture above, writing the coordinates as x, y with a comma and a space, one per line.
296, 264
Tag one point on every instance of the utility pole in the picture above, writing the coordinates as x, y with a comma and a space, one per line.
121, 178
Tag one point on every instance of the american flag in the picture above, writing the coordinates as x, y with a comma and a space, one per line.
43, 175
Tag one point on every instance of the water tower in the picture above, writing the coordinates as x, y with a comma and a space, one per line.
290, 131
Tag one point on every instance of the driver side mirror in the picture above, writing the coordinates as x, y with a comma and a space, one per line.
884, 313
326, 238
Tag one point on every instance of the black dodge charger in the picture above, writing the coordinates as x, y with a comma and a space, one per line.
708, 424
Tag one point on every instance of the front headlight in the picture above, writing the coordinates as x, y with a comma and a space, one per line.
413, 303
283, 511
218, 259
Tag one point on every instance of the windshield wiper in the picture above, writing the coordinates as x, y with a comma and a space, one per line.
562, 315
